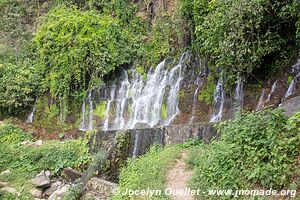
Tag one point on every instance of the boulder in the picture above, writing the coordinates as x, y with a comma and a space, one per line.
103, 187
59, 193
42, 180
33, 144
91, 195
3, 184
54, 186
291, 106
72, 174
5, 172
36, 193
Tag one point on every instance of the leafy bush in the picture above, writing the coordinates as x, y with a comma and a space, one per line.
257, 150
244, 36
76, 49
18, 85
147, 171
13, 135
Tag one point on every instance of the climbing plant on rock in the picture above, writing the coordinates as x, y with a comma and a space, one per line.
76, 49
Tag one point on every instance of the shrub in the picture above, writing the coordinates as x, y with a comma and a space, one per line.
76, 49
244, 36
13, 135
257, 150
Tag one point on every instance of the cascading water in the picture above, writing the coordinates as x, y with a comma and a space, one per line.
199, 82
239, 93
273, 88
261, 100
89, 126
31, 114
82, 123
108, 105
174, 81
292, 87
121, 98
219, 99
90, 102
152, 100
136, 145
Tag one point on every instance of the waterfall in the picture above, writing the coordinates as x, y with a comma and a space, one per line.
82, 123
110, 100
175, 82
89, 126
296, 67
90, 102
122, 97
148, 100
239, 93
292, 87
199, 83
273, 88
31, 114
136, 145
219, 99
261, 100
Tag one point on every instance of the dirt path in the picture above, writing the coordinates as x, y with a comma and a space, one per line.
178, 177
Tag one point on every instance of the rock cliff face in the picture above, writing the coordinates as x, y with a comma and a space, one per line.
272, 93
140, 140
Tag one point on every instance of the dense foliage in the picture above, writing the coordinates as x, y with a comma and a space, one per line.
255, 151
148, 171
242, 36
18, 80
76, 47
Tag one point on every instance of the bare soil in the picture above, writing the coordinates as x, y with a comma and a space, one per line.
178, 177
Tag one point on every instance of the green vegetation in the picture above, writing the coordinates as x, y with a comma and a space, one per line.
25, 162
206, 94
148, 171
164, 111
13, 135
73, 45
255, 151
10, 196
244, 36
100, 109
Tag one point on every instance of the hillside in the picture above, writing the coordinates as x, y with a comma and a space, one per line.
198, 95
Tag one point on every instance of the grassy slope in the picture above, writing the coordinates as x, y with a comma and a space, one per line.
148, 171
25, 162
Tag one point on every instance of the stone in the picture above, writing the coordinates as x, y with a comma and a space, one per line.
33, 144
72, 174
36, 193
59, 193
54, 186
48, 174
91, 195
5, 172
100, 186
42, 180
291, 106
3, 184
